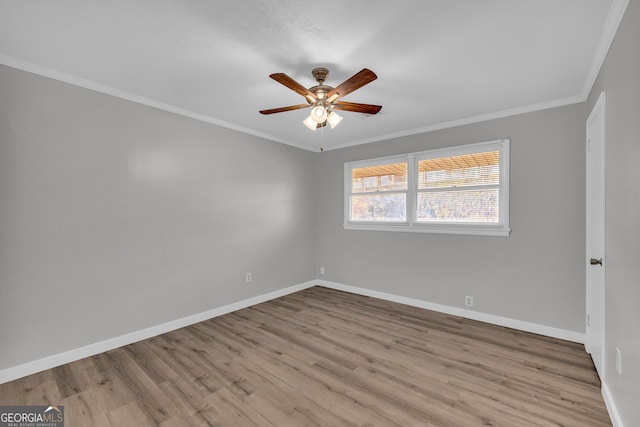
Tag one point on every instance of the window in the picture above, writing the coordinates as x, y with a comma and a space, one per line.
379, 192
461, 190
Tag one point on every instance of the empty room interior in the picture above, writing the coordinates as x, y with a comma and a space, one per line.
289, 213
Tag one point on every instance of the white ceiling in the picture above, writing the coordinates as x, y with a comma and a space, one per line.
439, 63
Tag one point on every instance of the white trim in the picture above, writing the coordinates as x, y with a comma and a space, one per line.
535, 328
411, 224
52, 361
466, 121
88, 84
616, 420
611, 25
616, 13
599, 107
108, 90
466, 229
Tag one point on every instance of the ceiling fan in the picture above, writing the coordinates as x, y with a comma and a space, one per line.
324, 99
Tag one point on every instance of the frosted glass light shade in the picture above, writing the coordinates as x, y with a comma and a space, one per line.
333, 118
319, 114
310, 123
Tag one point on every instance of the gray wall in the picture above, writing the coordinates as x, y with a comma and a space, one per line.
620, 79
535, 275
115, 217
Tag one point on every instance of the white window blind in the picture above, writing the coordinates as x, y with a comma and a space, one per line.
463, 188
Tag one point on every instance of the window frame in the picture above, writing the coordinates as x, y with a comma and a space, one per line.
375, 162
501, 228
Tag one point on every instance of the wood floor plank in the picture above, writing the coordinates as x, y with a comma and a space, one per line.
322, 357
86, 409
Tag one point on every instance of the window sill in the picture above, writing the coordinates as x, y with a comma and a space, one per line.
474, 230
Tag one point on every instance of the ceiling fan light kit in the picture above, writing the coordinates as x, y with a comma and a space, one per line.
323, 99
319, 113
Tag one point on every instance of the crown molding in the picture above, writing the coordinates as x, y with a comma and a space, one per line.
128, 96
614, 18
611, 25
616, 13
469, 120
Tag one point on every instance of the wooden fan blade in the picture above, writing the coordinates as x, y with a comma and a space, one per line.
283, 109
357, 107
354, 82
287, 81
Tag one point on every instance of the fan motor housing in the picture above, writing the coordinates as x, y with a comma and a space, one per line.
320, 74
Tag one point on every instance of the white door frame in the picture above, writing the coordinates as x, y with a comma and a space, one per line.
595, 236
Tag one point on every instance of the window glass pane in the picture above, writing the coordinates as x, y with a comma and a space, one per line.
459, 206
457, 190
370, 179
460, 171
379, 207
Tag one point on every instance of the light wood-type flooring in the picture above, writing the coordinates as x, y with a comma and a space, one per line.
322, 357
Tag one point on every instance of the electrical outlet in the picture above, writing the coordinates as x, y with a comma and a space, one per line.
468, 301
321, 270
249, 277
618, 361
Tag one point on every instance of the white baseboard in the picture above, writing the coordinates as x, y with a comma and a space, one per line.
616, 420
469, 314
52, 361
549, 331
